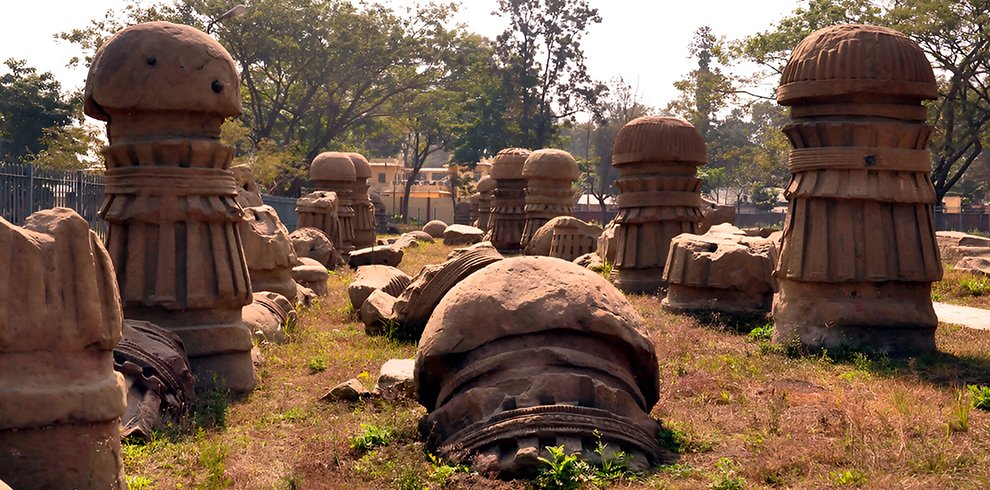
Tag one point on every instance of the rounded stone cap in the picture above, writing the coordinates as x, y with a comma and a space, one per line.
855, 59
486, 184
508, 163
161, 66
334, 166
659, 139
551, 164
362, 169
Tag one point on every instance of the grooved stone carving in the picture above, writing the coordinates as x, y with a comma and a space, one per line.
859, 252
549, 174
318, 210
335, 172
164, 89
364, 209
371, 278
269, 251
506, 371
509, 204
659, 195
572, 236
60, 318
486, 196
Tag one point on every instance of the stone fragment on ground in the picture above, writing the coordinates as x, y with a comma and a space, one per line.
315, 244
377, 255
435, 228
968, 253
370, 278
377, 312
270, 317
351, 390
311, 274
396, 378
268, 250
462, 235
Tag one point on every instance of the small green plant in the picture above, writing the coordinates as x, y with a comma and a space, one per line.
975, 286
959, 416
680, 439
444, 470
727, 477
847, 478
979, 396
372, 436
761, 333
210, 409
317, 364
561, 471
138, 483
613, 465
605, 269
212, 456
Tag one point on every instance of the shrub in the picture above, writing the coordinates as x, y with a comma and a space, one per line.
372, 436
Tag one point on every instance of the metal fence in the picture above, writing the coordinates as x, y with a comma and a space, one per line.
286, 209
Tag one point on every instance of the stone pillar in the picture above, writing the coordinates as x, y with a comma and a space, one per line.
549, 174
164, 89
319, 210
364, 209
334, 171
509, 204
659, 195
486, 195
60, 318
859, 251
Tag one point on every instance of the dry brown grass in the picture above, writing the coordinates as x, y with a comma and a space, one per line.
962, 288
782, 418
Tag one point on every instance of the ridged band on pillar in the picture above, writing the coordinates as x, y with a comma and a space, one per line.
859, 252
364, 209
549, 174
486, 196
659, 195
335, 171
509, 204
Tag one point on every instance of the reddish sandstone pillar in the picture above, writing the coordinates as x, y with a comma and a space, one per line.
509, 205
486, 195
859, 252
335, 171
549, 175
164, 89
364, 209
659, 195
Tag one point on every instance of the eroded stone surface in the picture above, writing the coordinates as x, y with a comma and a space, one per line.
269, 251
164, 90
315, 244
351, 390
377, 255
335, 172
859, 253
319, 210
564, 237
248, 194
607, 244
715, 214
378, 312
549, 175
364, 208
311, 274
486, 196
954, 246
371, 278
396, 378
435, 228
462, 235
508, 216
505, 371
270, 317
60, 319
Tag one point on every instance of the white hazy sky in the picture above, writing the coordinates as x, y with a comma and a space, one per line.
643, 41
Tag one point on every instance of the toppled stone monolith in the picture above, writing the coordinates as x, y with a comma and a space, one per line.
573, 238
319, 209
376, 277
376, 255
270, 317
311, 274
157, 377
506, 372
509, 204
859, 252
364, 209
721, 271
659, 195
462, 235
549, 175
164, 89
314, 243
60, 318
269, 251
335, 172
486, 196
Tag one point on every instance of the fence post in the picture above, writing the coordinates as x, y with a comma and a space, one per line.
30, 203
79, 194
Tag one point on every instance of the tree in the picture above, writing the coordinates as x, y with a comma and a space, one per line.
33, 112
543, 66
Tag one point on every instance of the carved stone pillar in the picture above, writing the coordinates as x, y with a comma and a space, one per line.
659, 195
859, 251
334, 171
509, 205
549, 174
364, 209
164, 89
486, 196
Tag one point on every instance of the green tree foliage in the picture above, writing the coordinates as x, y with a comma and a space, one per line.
543, 66
33, 112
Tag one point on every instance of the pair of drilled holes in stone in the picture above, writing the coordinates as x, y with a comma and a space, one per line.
216, 86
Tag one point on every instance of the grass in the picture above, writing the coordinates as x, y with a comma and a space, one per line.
737, 411
962, 288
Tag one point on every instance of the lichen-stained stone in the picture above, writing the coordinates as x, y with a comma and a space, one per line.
532, 352
659, 195
333, 171
164, 89
60, 319
859, 253
509, 203
549, 175
364, 208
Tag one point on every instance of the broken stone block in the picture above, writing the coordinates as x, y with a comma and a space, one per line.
505, 371
421, 236
509, 202
462, 213
333, 171
715, 214
377, 255
320, 210
396, 378
590, 261
462, 235
157, 378
315, 244
60, 318
550, 175
377, 312
723, 271
859, 252
269, 251
270, 317
953, 246
376, 277
607, 244
364, 208
351, 390
248, 194
435, 228
311, 274
173, 220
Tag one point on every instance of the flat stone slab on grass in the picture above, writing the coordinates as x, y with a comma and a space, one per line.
966, 316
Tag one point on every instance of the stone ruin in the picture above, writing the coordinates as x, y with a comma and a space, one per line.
60, 318
269, 251
164, 89
859, 252
486, 195
659, 195
315, 244
364, 209
435, 228
335, 172
248, 193
318, 210
505, 372
967, 253
462, 212
474, 209
270, 317
462, 235
509, 204
573, 236
722, 271
381, 213
549, 175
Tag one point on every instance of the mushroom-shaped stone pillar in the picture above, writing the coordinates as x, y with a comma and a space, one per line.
334, 171
659, 195
364, 209
486, 195
549, 174
164, 89
504, 374
509, 205
60, 318
859, 251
